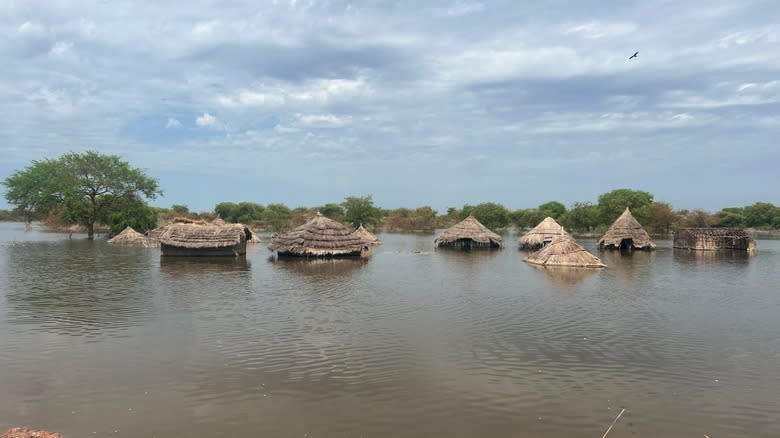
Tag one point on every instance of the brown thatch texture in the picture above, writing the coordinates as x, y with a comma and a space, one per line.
200, 234
565, 251
714, 239
131, 237
469, 233
21, 432
626, 232
319, 237
367, 236
541, 235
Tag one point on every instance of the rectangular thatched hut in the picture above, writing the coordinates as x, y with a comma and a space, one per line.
199, 238
714, 239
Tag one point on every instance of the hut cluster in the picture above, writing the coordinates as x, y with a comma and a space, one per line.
323, 237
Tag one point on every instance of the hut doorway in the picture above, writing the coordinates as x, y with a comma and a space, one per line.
627, 244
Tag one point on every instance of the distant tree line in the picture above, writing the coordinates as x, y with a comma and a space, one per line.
96, 190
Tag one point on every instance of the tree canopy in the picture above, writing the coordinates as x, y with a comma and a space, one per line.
81, 188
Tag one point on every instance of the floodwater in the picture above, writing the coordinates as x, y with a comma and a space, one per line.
98, 340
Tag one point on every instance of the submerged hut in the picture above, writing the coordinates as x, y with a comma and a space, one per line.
468, 233
564, 251
319, 237
541, 235
708, 239
366, 235
626, 233
131, 237
187, 237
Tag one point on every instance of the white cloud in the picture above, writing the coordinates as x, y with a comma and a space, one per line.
596, 30
324, 120
317, 91
61, 50
209, 121
31, 29
172, 123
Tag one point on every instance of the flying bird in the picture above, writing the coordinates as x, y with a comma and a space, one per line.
634, 55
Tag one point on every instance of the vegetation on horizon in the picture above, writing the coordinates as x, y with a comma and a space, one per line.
90, 188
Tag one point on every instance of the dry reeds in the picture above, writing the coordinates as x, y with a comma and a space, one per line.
627, 233
468, 233
564, 251
21, 432
541, 235
319, 237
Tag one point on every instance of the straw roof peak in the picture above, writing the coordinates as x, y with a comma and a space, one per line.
366, 235
131, 237
542, 234
469, 232
626, 232
319, 237
564, 251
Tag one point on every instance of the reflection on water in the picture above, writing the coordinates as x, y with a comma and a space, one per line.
563, 276
725, 256
100, 340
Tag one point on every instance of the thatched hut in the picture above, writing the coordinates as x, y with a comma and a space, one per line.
564, 251
468, 233
131, 237
199, 238
541, 235
319, 237
707, 239
626, 233
366, 235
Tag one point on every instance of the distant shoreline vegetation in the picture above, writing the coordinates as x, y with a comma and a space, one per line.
107, 193
582, 217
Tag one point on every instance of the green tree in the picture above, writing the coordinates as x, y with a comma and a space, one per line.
332, 210
81, 187
761, 214
583, 216
553, 208
276, 216
660, 217
361, 210
180, 209
612, 204
490, 214
130, 212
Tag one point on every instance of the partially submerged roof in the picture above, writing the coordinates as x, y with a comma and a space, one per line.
542, 234
626, 232
469, 229
201, 234
131, 237
366, 235
319, 237
564, 251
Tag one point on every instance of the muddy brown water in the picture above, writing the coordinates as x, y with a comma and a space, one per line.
97, 340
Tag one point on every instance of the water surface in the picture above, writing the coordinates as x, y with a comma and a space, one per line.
111, 341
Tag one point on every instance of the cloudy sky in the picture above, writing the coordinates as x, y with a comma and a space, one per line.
440, 103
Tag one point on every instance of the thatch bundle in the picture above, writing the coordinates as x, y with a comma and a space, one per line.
564, 251
319, 237
194, 237
131, 237
21, 432
541, 235
469, 233
367, 236
626, 233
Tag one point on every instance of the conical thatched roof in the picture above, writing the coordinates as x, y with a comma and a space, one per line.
469, 233
129, 236
366, 235
564, 251
541, 234
626, 232
319, 237
195, 234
